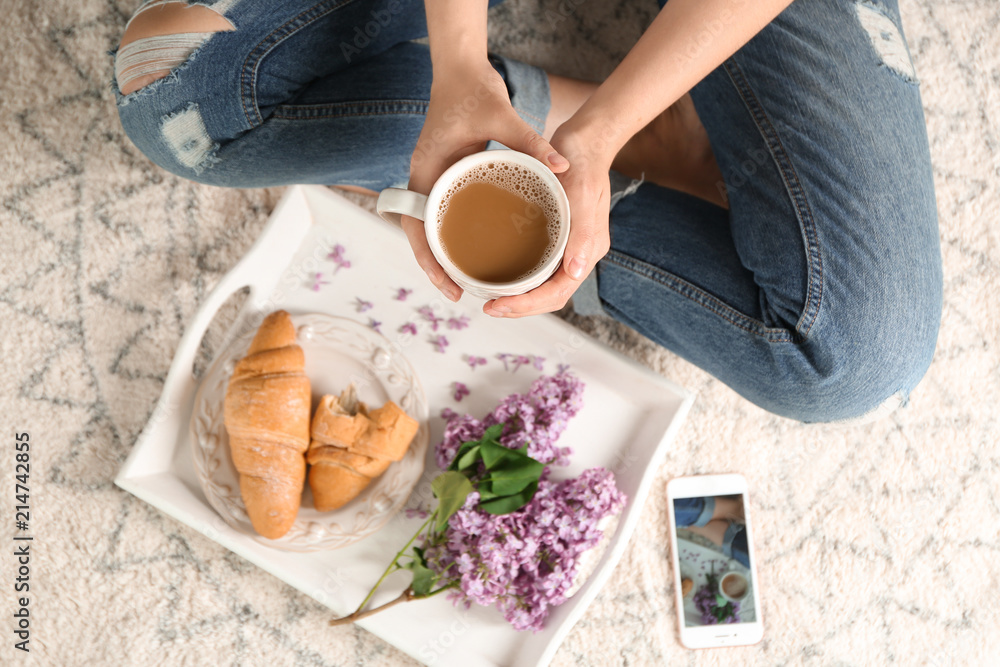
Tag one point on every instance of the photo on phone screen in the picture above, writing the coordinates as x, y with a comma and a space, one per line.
714, 560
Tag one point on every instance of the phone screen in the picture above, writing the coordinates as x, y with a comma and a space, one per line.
713, 559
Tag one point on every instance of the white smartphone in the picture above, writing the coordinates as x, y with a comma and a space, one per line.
715, 573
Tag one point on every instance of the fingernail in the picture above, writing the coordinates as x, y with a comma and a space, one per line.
576, 267
451, 293
557, 160
492, 312
501, 309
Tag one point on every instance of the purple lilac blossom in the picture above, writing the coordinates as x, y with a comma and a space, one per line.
318, 282
536, 418
402, 293
337, 256
474, 361
525, 562
409, 328
428, 314
461, 391
705, 602
520, 360
458, 322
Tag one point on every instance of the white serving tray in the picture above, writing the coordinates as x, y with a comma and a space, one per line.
629, 417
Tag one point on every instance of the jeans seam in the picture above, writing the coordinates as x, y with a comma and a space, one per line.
352, 108
698, 296
253, 59
796, 195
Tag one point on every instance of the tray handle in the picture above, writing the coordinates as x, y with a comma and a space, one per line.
259, 269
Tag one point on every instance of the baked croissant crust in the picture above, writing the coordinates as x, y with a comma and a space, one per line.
267, 418
352, 446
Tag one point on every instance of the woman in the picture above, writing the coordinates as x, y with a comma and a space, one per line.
784, 238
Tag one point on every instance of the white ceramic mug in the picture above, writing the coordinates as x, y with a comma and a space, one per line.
734, 576
395, 202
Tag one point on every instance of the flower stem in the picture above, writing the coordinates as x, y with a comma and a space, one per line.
405, 596
393, 566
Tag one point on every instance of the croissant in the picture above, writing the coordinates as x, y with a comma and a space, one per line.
267, 418
352, 446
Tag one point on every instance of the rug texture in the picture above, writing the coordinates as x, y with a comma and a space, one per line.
877, 545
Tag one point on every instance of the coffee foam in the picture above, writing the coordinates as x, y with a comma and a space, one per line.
517, 180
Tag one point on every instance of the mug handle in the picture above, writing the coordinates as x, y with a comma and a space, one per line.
394, 203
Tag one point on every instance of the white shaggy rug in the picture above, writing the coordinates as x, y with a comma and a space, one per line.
878, 545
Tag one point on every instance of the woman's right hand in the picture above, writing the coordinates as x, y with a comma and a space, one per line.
469, 106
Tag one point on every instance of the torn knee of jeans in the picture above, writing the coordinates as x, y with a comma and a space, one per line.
186, 136
887, 40
160, 37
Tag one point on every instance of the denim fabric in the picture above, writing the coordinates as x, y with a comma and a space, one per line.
693, 511
734, 543
817, 296
329, 92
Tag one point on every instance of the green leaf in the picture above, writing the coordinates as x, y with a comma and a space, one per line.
451, 489
492, 433
493, 452
484, 492
511, 503
469, 458
423, 578
514, 473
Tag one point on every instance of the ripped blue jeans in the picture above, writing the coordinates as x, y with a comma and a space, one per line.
816, 296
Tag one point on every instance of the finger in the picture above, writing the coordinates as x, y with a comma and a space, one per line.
522, 137
588, 236
548, 297
425, 258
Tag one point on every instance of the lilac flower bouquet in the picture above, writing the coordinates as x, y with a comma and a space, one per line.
713, 607
504, 533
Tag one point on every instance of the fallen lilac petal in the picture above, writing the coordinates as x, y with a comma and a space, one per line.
538, 362
375, 324
409, 328
503, 357
439, 343
474, 361
461, 391
458, 322
428, 314
362, 305
520, 360
319, 282
402, 293
562, 368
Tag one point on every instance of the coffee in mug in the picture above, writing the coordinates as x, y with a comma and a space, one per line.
497, 221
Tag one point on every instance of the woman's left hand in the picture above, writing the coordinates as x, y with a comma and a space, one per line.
589, 192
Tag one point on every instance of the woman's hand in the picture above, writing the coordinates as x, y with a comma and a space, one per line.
589, 192
469, 105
